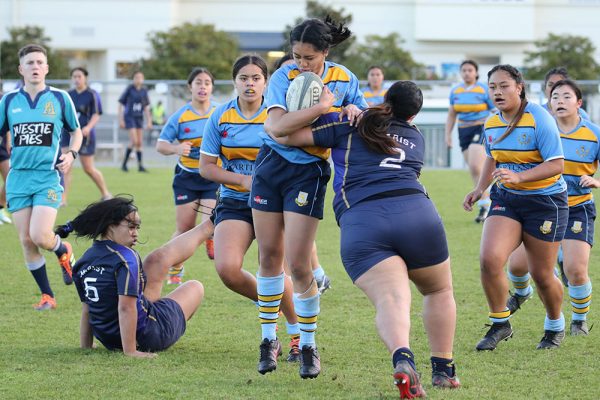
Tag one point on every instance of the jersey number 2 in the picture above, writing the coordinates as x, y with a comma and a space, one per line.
394, 162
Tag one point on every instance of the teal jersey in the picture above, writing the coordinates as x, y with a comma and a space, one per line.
186, 125
471, 103
582, 153
534, 140
235, 140
36, 126
342, 83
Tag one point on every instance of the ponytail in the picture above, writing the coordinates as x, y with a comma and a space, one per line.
323, 35
373, 129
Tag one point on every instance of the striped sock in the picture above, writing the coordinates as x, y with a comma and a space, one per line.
176, 271
581, 298
270, 292
308, 311
521, 284
499, 317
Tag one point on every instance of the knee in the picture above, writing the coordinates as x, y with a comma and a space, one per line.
153, 262
490, 265
197, 288
89, 169
27, 243
41, 239
229, 274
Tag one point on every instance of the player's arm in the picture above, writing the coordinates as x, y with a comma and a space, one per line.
450, 121
128, 326
86, 339
67, 159
167, 149
280, 122
489, 165
544, 170
121, 114
302, 137
148, 116
211, 171
85, 130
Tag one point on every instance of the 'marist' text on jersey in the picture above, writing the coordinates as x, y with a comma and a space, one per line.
33, 134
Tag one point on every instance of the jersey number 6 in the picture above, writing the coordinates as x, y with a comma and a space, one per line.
90, 291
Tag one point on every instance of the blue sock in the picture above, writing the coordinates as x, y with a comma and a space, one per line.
38, 270
319, 274
499, 317
581, 298
555, 325
445, 365
292, 329
270, 292
59, 248
403, 353
521, 284
308, 311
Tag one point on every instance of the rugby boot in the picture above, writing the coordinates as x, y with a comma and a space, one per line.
310, 363
407, 380
440, 379
579, 328
551, 340
269, 351
294, 354
494, 335
515, 301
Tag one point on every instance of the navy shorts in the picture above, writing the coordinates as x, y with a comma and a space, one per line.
228, 208
544, 217
470, 135
166, 324
279, 185
189, 187
581, 223
88, 145
65, 139
4, 152
405, 226
134, 122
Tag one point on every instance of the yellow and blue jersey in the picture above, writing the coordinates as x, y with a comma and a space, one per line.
342, 83
374, 98
534, 140
106, 271
186, 125
235, 140
36, 126
582, 113
360, 172
471, 103
582, 153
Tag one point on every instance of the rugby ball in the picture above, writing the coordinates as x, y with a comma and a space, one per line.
304, 91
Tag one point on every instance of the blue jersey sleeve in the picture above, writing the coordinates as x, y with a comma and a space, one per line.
278, 86
211, 138
171, 128
354, 95
70, 114
328, 129
548, 137
125, 95
96, 104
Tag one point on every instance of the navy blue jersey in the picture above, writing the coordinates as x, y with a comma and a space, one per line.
105, 271
360, 172
134, 100
87, 103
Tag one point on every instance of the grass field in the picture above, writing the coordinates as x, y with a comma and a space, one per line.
216, 359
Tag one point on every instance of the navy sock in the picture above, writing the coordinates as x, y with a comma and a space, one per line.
127, 153
59, 248
139, 157
443, 365
41, 278
403, 353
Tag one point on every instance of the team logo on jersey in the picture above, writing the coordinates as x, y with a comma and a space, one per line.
224, 134
576, 228
582, 151
33, 134
302, 199
49, 109
546, 228
52, 196
16, 110
524, 139
260, 200
498, 208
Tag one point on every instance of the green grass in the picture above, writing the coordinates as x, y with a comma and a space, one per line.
216, 359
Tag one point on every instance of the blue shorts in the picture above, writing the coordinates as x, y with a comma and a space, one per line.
228, 208
4, 152
165, 326
279, 185
134, 122
470, 135
544, 217
28, 188
189, 187
581, 223
88, 145
405, 226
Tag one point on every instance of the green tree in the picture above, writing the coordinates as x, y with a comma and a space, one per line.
386, 52
339, 53
576, 53
174, 53
19, 37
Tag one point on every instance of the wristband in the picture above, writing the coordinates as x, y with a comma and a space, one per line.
74, 153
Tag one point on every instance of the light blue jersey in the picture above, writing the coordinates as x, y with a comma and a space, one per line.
582, 153
235, 140
342, 83
582, 113
186, 125
374, 98
36, 126
471, 103
534, 140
